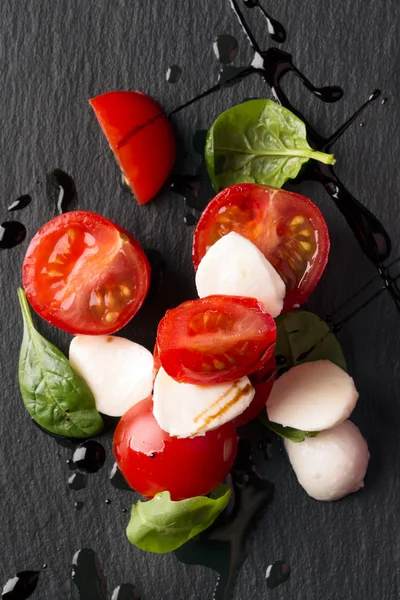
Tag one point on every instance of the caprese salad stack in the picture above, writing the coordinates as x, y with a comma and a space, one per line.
258, 250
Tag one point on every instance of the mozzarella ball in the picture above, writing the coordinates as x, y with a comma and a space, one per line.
119, 372
234, 266
186, 410
332, 464
312, 396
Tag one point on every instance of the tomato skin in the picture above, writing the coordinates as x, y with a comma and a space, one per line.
141, 138
262, 381
105, 234
264, 215
151, 461
215, 339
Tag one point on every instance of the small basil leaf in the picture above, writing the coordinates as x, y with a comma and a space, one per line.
162, 525
304, 337
56, 397
294, 435
258, 141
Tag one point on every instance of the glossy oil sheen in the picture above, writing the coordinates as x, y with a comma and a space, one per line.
12, 233
126, 591
118, 480
21, 586
89, 456
277, 573
88, 575
20, 203
61, 191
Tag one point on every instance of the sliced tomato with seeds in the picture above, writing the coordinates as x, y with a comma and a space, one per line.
215, 339
85, 274
262, 381
141, 138
287, 227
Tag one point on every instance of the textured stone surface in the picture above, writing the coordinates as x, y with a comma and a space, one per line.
55, 54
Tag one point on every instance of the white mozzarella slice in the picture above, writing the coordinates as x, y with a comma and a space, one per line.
312, 396
235, 266
119, 372
332, 464
186, 410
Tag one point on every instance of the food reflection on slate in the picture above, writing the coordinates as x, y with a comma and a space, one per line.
233, 497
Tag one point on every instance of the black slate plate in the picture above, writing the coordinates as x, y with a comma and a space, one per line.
55, 54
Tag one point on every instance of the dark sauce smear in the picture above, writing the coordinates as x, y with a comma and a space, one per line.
277, 573
272, 64
173, 74
21, 586
224, 546
77, 481
88, 576
89, 456
226, 48
20, 203
61, 191
118, 480
188, 186
126, 591
12, 234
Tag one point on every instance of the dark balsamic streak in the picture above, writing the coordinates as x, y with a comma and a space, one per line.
215, 88
339, 132
21, 586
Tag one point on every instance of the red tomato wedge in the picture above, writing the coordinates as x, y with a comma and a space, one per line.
262, 381
151, 461
85, 274
141, 138
288, 228
215, 339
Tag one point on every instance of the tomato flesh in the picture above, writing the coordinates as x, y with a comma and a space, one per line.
141, 138
215, 339
287, 227
262, 381
151, 461
85, 274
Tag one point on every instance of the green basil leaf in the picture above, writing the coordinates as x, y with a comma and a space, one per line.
304, 337
162, 525
56, 397
258, 141
294, 435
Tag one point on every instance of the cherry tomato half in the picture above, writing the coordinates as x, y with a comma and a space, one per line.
141, 138
215, 339
151, 461
288, 228
262, 381
85, 274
